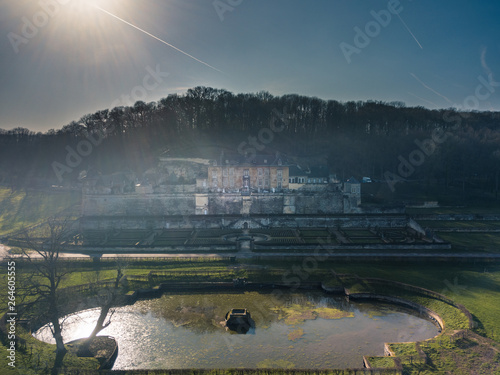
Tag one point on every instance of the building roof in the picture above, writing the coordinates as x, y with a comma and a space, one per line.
317, 171
352, 180
296, 171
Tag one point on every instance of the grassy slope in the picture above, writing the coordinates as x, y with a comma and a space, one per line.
26, 208
477, 290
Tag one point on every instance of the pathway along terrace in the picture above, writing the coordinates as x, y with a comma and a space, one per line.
265, 233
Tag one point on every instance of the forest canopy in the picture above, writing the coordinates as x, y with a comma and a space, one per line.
355, 138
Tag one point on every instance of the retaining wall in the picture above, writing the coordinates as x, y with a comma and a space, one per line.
238, 221
184, 203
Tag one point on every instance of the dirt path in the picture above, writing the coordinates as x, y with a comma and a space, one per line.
4, 251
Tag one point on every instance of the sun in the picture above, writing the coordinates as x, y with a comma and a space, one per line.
87, 33
88, 16
89, 7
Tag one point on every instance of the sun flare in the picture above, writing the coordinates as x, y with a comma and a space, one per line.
91, 5
88, 10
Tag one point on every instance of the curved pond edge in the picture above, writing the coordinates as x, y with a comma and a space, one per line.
350, 286
435, 306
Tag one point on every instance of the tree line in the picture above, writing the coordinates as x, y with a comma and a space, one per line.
354, 137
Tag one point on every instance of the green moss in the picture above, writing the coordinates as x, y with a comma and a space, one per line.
296, 334
276, 363
406, 348
297, 314
381, 362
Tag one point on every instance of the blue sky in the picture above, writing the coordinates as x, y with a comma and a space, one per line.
80, 58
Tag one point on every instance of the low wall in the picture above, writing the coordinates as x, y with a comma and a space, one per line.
239, 221
376, 247
184, 203
457, 217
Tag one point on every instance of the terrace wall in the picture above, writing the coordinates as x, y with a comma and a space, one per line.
327, 202
138, 204
238, 221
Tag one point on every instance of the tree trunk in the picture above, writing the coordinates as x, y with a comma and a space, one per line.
100, 321
60, 348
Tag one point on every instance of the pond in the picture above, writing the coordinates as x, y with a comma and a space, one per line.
293, 330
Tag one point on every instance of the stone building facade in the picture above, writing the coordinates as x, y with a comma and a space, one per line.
220, 187
261, 173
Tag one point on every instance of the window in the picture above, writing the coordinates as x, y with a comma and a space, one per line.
260, 182
266, 182
224, 172
246, 172
214, 178
259, 171
231, 181
231, 171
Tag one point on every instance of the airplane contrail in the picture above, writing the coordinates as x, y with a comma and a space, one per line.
407, 28
431, 89
425, 100
483, 61
158, 39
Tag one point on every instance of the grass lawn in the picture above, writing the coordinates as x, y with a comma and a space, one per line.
26, 208
464, 224
477, 290
489, 242
479, 210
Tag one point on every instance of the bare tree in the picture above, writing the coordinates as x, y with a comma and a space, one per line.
44, 274
106, 297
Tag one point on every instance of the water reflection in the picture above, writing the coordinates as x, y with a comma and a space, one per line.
296, 330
